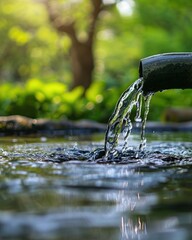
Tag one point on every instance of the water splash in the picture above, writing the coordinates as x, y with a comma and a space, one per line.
120, 121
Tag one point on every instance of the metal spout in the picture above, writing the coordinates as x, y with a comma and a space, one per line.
166, 71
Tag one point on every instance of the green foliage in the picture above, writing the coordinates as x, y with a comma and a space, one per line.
165, 25
28, 45
35, 71
37, 99
52, 100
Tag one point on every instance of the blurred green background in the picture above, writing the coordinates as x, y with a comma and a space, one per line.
73, 58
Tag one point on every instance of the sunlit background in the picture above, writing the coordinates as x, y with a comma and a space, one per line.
73, 58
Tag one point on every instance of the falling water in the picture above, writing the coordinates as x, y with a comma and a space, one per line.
143, 139
120, 121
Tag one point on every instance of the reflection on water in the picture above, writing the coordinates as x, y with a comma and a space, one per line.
42, 198
133, 228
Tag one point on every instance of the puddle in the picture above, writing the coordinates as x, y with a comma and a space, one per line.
50, 189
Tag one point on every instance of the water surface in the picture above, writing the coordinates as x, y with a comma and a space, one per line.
49, 189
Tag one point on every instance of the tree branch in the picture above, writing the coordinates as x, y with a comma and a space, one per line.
58, 23
97, 6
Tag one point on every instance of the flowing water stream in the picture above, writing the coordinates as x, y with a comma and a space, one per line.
120, 121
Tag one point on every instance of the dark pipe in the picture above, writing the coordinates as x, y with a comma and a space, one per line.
166, 71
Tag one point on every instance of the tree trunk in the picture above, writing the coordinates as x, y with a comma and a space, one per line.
82, 57
82, 63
